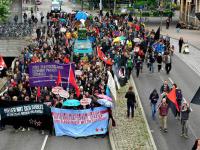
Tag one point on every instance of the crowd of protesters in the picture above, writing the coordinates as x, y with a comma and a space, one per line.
54, 45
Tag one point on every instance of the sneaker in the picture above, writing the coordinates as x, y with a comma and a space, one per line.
28, 129
160, 128
186, 136
165, 130
182, 135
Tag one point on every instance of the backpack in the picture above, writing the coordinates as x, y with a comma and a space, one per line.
129, 63
179, 95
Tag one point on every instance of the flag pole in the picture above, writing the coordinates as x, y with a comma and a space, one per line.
68, 78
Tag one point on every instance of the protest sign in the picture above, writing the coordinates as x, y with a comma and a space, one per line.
80, 123
55, 90
46, 74
27, 114
85, 101
63, 93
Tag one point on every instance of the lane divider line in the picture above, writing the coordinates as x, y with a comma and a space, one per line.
44, 142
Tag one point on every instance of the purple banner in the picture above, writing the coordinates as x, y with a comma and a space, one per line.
46, 74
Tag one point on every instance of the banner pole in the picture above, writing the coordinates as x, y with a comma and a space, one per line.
69, 77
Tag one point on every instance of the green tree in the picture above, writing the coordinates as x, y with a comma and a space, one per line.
4, 9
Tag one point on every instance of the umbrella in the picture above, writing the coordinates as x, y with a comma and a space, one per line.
120, 38
54, 19
81, 15
105, 103
62, 20
63, 93
137, 40
63, 29
77, 23
104, 97
71, 102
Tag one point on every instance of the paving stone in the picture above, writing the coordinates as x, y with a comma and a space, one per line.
129, 134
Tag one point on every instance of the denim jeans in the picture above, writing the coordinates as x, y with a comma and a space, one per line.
153, 110
184, 124
151, 67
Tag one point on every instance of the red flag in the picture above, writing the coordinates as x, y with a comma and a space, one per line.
172, 97
103, 57
2, 63
72, 81
58, 82
38, 93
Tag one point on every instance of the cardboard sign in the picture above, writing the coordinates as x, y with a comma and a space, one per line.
85, 101
56, 89
63, 93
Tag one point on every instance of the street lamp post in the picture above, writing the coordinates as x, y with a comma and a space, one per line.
100, 5
82, 5
189, 7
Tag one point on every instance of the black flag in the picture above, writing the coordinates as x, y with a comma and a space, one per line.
198, 15
157, 35
196, 98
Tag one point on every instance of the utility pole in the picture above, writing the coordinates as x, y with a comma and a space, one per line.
114, 6
100, 5
82, 5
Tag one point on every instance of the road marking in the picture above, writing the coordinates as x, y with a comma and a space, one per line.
193, 133
44, 142
171, 80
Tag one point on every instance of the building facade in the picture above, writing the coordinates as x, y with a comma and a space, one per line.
188, 8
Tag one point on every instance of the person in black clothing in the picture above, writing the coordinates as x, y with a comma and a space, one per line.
164, 88
154, 99
131, 101
180, 43
159, 61
196, 145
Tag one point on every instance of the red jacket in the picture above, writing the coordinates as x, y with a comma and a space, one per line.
163, 109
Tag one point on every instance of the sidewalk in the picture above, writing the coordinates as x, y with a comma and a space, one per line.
192, 59
129, 134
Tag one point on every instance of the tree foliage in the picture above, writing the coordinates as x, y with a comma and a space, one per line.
4, 9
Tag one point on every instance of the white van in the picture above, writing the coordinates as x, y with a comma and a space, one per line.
55, 6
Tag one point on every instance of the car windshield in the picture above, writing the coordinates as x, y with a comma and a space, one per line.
82, 45
55, 5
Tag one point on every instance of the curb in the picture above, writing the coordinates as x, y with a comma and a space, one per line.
178, 40
112, 143
132, 82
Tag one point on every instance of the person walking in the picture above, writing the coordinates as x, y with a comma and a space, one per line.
179, 98
159, 61
168, 62
129, 66
167, 23
131, 102
185, 110
138, 66
151, 62
180, 43
154, 99
164, 88
163, 112
178, 27
196, 145
2, 126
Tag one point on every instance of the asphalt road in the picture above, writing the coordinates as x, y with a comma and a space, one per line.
33, 140
189, 82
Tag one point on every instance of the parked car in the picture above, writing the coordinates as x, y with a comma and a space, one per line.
55, 6
38, 2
